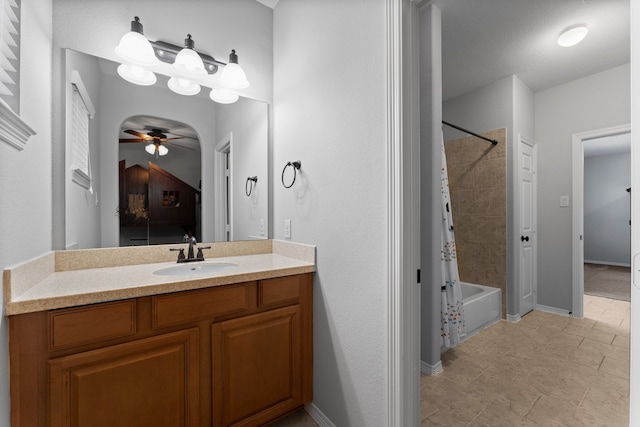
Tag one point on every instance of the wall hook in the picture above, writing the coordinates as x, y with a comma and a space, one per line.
296, 166
250, 184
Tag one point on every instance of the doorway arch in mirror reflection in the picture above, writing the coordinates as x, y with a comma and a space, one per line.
159, 177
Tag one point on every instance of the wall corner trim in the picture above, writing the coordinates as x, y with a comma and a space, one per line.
429, 369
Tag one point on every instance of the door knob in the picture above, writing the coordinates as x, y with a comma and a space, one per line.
524, 239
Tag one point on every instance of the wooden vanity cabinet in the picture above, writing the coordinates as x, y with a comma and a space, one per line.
234, 355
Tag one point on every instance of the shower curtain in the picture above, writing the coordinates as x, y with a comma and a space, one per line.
452, 312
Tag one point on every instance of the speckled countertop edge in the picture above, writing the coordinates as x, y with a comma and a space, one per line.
40, 287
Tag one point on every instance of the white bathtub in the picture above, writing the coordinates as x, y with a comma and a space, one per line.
482, 307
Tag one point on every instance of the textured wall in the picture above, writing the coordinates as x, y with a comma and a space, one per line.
477, 182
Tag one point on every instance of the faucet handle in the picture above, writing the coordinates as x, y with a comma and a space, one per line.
180, 255
200, 255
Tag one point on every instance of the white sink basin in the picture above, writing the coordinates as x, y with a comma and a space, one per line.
195, 269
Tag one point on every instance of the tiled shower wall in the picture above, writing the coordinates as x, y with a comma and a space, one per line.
477, 182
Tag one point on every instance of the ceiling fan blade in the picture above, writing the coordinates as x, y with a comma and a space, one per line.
184, 136
169, 139
136, 133
179, 146
125, 140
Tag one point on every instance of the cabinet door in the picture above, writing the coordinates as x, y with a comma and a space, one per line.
149, 382
257, 367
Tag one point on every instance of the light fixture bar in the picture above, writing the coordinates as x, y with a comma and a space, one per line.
167, 52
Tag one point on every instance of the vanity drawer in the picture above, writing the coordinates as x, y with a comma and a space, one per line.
189, 306
279, 291
84, 325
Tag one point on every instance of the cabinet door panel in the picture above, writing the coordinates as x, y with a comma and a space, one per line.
152, 382
256, 367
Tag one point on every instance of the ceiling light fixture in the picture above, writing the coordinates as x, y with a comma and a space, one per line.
157, 149
190, 67
572, 36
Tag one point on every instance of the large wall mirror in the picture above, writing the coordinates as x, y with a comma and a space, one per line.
210, 181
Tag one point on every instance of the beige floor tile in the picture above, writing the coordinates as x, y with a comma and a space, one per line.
546, 370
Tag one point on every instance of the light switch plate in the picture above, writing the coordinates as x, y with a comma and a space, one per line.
262, 227
287, 228
564, 201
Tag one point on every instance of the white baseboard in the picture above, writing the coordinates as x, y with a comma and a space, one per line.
73, 245
318, 416
553, 310
513, 318
616, 264
430, 369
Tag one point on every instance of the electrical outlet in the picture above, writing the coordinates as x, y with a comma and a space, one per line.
262, 227
287, 228
564, 201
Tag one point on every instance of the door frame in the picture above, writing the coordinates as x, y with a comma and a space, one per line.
219, 199
577, 308
518, 226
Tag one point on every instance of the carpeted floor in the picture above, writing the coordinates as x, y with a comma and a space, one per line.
607, 281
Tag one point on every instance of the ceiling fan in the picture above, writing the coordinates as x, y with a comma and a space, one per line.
156, 140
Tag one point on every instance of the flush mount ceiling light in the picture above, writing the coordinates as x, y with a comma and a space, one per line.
189, 69
572, 36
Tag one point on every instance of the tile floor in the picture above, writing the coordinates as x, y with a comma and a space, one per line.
546, 370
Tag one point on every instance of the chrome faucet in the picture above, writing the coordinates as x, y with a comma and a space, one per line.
190, 256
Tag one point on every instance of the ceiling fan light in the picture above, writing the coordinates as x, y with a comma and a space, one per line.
232, 75
150, 148
162, 150
183, 86
188, 62
134, 48
223, 96
572, 36
136, 75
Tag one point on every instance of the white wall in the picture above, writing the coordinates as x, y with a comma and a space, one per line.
594, 102
25, 176
82, 213
330, 113
247, 122
607, 209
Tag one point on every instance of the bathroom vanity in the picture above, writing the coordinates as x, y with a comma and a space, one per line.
227, 348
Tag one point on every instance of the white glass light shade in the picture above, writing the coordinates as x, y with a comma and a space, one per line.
183, 86
136, 75
158, 149
233, 77
189, 63
134, 48
223, 96
572, 36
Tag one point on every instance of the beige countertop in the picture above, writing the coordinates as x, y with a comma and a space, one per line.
71, 278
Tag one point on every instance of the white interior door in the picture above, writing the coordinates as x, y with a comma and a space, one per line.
527, 258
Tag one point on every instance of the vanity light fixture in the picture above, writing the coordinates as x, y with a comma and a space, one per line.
190, 67
157, 149
223, 96
572, 36
232, 75
137, 53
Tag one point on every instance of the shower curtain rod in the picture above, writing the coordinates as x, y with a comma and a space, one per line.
493, 141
